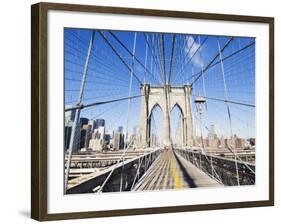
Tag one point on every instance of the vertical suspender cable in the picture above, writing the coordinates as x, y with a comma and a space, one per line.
163, 59
144, 156
128, 109
172, 59
204, 93
202, 70
73, 136
152, 65
145, 63
228, 110
194, 91
193, 78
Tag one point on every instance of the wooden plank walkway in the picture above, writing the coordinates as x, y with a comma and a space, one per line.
171, 171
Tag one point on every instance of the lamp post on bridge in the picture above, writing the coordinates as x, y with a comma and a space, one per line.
200, 104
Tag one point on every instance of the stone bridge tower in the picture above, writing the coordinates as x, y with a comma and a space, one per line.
166, 97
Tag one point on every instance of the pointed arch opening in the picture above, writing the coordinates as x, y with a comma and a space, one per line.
155, 123
177, 126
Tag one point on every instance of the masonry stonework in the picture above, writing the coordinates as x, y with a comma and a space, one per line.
166, 97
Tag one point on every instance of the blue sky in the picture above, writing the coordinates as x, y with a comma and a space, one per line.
108, 78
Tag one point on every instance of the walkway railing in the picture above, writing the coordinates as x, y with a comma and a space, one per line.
224, 170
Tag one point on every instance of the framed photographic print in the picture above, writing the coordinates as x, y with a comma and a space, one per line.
138, 111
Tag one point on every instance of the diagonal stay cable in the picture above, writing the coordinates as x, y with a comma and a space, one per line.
143, 156
126, 48
192, 56
121, 158
228, 101
153, 53
77, 111
230, 150
223, 59
128, 108
81, 106
187, 53
213, 59
120, 57
151, 117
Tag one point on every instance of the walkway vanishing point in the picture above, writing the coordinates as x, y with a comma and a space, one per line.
171, 171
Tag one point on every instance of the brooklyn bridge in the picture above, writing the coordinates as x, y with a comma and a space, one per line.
152, 111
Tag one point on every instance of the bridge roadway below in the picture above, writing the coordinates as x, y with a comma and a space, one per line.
171, 171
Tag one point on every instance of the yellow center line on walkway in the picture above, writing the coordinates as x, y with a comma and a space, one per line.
175, 174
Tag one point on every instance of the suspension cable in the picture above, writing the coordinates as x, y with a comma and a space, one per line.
227, 101
230, 150
228, 109
172, 58
119, 56
128, 109
192, 56
143, 155
77, 112
131, 53
214, 58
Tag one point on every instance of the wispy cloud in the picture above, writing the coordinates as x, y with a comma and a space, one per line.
190, 49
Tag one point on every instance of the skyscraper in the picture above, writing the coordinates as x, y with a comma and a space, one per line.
120, 129
84, 121
97, 140
96, 123
68, 123
212, 132
118, 142
100, 123
85, 136
92, 122
67, 134
69, 115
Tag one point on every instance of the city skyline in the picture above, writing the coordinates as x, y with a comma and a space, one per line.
107, 135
